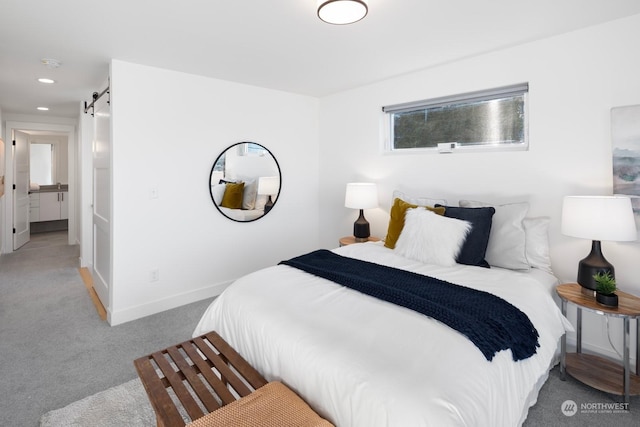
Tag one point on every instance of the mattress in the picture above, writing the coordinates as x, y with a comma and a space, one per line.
363, 362
242, 214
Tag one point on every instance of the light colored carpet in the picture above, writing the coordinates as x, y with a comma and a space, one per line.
123, 405
128, 405
54, 349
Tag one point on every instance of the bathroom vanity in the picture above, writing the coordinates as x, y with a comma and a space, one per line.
49, 203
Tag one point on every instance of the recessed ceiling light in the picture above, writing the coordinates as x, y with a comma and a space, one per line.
47, 81
43, 108
50, 62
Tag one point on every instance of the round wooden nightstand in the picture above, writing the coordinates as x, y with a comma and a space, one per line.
595, 371
350, 240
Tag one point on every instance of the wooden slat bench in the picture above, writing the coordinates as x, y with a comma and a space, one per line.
204, 373
208, 382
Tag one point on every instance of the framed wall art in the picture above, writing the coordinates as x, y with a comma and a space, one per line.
625, 139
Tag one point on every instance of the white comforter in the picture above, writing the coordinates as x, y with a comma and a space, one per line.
360, 361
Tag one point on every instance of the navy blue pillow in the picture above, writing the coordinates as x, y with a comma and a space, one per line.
475, 246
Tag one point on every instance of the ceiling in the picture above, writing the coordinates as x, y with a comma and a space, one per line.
278, 44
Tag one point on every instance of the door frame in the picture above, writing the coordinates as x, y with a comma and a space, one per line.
72, 138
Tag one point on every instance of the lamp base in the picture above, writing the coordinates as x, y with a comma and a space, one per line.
593, 264
588, 292
268, 205
361, 228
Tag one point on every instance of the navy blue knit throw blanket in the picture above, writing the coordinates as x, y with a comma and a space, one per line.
490, 322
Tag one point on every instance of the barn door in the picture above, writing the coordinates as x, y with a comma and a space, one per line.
102, 201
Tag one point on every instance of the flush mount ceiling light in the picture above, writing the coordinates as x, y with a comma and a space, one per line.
43, 108
46, 81
340, 12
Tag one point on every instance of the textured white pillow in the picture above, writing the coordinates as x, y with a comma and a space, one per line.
507, 241
217, 190
537, 235
249, 194
261, 200
420, 201
431, 238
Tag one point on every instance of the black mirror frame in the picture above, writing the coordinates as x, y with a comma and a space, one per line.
211, 174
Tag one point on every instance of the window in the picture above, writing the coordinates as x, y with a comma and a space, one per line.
488, 119
255, 149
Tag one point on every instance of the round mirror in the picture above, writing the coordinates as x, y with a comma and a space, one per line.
245, 182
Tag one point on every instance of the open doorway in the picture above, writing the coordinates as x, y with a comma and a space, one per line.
44, 201
48, 183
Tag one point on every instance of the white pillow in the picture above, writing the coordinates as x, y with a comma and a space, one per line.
261, 200
507, 240
420, 201
249, 194
217, 191
537, 244
431, 238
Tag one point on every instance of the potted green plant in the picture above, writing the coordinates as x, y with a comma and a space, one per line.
605, 289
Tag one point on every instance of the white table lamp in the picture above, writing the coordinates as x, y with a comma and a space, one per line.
597, 218
268, 186
361, 195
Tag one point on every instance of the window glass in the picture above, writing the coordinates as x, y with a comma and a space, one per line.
493, 118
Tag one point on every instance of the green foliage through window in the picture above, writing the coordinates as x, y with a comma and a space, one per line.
495, 117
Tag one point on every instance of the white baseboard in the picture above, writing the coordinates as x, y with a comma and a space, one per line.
132, 313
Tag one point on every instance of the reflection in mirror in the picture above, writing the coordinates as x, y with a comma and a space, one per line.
41, 163
245, 182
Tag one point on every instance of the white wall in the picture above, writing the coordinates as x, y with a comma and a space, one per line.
575, 79
2, 198
168, 129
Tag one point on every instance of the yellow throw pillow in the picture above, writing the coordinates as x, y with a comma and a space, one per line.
232, 198
396, 222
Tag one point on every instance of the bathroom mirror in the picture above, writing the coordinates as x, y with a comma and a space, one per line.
245, 182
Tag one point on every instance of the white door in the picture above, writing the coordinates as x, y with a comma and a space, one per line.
21, 230
102, 201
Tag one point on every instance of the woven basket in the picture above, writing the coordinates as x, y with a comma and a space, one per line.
273, 405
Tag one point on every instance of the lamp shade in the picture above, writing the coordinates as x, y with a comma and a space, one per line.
599, 218
342, 12
268, 185
361, 195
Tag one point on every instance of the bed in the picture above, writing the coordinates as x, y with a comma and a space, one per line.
249, 206
361, 361
242, 215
